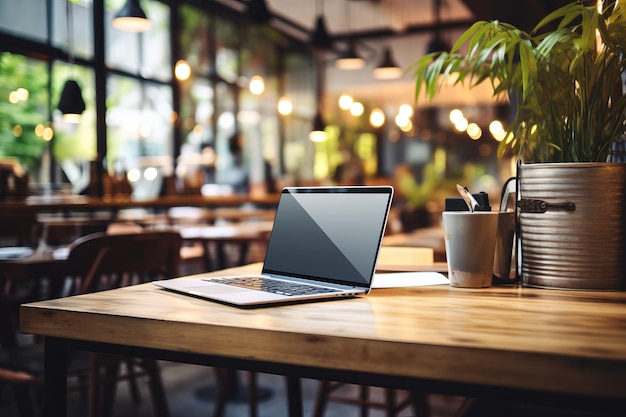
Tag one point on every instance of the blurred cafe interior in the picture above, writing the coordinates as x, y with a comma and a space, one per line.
242, 97
207, 105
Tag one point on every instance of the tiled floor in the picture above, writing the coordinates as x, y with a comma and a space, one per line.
187, 386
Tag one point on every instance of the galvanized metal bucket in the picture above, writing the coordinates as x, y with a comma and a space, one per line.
572, 225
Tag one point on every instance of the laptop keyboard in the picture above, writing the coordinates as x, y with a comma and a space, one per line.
274, 286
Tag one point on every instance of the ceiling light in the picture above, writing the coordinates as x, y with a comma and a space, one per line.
349, 59
285, 107
317, 133
182, 70
377, 118
357, 109
474, 131
345, 101
71, 104
387, 69
320, 37
406, 109
257, 85
437, 45
131, 18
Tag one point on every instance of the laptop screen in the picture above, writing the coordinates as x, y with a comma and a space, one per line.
330, 234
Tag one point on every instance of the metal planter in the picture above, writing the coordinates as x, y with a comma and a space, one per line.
572, 225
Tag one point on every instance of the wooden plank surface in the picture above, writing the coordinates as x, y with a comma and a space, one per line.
513, 337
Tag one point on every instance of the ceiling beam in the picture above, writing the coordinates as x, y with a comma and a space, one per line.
523, 14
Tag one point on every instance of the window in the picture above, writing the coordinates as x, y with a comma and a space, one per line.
138, 126
24, 127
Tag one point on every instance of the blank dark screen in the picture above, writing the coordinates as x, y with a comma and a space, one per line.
328, 234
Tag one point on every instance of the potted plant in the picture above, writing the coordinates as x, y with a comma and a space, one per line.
564, 79
414, 214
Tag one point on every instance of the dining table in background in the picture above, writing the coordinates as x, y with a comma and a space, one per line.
25, 275
240, 235
562, 348
65, 204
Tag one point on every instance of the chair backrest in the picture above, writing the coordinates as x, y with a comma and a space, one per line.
102, 261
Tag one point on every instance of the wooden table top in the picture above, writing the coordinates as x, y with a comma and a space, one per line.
568, 342
244, 230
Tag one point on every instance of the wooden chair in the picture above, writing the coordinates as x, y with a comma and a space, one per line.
97, 262
102, 261
329, 391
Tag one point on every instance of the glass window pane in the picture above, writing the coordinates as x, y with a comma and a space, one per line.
226, 50
78, 38
298, 149
299, 84
194, 39
227, 171
25, 18
258, 53
197, 111
24, 112
147, 54
139, 133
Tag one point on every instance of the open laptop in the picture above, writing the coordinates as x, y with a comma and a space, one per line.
324, 244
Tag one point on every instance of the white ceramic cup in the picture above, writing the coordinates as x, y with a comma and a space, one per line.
470, 239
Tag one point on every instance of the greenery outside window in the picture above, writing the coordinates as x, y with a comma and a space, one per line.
24, 128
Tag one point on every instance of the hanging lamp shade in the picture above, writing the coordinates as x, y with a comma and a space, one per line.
131, 18
437, 45
257, 11
320, 37
387, 69
349, 59
71, 103
317, 133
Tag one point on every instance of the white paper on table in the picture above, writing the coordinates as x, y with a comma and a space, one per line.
61, 253
409, 279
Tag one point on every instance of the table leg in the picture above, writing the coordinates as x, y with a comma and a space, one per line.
55, 378
208, 263
220, 254
294, 396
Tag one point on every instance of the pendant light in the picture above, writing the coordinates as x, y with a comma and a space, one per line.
437, 44
131, 18
387, 69
320, 37
349, 59
71, 103
317, 133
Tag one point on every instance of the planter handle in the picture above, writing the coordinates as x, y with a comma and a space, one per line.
540, 206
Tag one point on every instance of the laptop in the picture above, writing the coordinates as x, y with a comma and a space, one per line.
324, 244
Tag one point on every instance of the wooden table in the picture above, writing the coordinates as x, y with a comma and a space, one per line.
87, 204
561, 347
17, 271
240, 234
